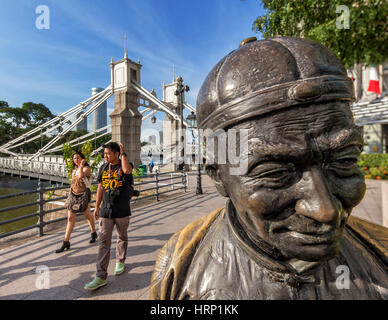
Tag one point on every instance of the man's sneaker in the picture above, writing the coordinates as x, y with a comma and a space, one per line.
95, 284
119, 269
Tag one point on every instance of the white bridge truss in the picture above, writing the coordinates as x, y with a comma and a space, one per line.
57, 127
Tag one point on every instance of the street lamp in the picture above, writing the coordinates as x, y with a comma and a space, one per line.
179, 92
192, 121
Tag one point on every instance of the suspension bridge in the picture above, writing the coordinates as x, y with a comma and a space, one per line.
133, 104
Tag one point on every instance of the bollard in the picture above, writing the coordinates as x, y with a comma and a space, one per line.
157, 185
40, 211
184, 180
199, 183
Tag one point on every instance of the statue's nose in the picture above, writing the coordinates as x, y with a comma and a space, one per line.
316, 200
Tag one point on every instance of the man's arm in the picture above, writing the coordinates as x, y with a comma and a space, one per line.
126, 167
98, 201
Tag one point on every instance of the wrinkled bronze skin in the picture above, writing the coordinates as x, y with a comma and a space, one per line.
298, 199
286, 226
302, 181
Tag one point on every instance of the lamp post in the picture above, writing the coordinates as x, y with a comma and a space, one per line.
192, 121
179, 92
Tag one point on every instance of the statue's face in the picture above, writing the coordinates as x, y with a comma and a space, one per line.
302, 180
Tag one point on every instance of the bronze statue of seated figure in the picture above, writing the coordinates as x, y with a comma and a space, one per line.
285, 231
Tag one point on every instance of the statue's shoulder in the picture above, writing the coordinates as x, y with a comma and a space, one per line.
175, 257
374, 235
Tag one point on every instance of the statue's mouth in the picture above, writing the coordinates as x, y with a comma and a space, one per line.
314, 238
325, 234
307, 231
321, 231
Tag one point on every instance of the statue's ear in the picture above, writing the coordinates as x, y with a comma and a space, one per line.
214, 173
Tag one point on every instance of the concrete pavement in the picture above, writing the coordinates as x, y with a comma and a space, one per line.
370, 207
151, 226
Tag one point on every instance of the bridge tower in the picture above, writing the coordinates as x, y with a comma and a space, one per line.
171, 126
125, 119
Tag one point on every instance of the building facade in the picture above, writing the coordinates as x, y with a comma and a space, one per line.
83, 125
371, 110
99, 116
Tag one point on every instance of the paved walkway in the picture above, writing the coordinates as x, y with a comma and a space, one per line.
370, 207
151, 226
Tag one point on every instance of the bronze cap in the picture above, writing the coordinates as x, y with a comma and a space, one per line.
247, 40
268, 75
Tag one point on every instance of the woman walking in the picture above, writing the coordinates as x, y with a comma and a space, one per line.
79, 199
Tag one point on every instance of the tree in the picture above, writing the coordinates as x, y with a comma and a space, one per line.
364, 41
16, 121
86, 150
37, 113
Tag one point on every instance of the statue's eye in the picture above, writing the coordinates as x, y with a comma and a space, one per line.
273, 175
343, 167
344, 162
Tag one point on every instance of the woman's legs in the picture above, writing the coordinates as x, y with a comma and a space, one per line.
88, 215
70, 224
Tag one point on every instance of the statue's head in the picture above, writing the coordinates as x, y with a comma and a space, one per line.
301, 181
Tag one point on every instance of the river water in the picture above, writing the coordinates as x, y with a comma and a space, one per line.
9, 185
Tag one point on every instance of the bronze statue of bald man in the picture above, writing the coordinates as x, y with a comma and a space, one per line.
285, 231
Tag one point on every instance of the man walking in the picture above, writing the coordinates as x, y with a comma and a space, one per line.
114, 194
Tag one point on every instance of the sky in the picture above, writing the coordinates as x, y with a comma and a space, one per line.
59, 66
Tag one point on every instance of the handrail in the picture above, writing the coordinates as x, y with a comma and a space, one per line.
54, 169
41, 212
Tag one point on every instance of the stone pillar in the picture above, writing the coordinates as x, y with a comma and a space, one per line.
171, 139
126, 123
171, 128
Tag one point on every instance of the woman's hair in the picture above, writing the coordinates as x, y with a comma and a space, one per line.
81, 155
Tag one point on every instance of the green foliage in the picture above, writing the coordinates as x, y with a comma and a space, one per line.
50, 193
373, 160
86, 150
67, 157
137, 173
374, 166
364, 42
16, 121
96, 163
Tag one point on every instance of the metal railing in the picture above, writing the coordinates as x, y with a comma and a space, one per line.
40, 167
159, 180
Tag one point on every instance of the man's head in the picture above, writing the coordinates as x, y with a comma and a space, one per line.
111, 152
302, 179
